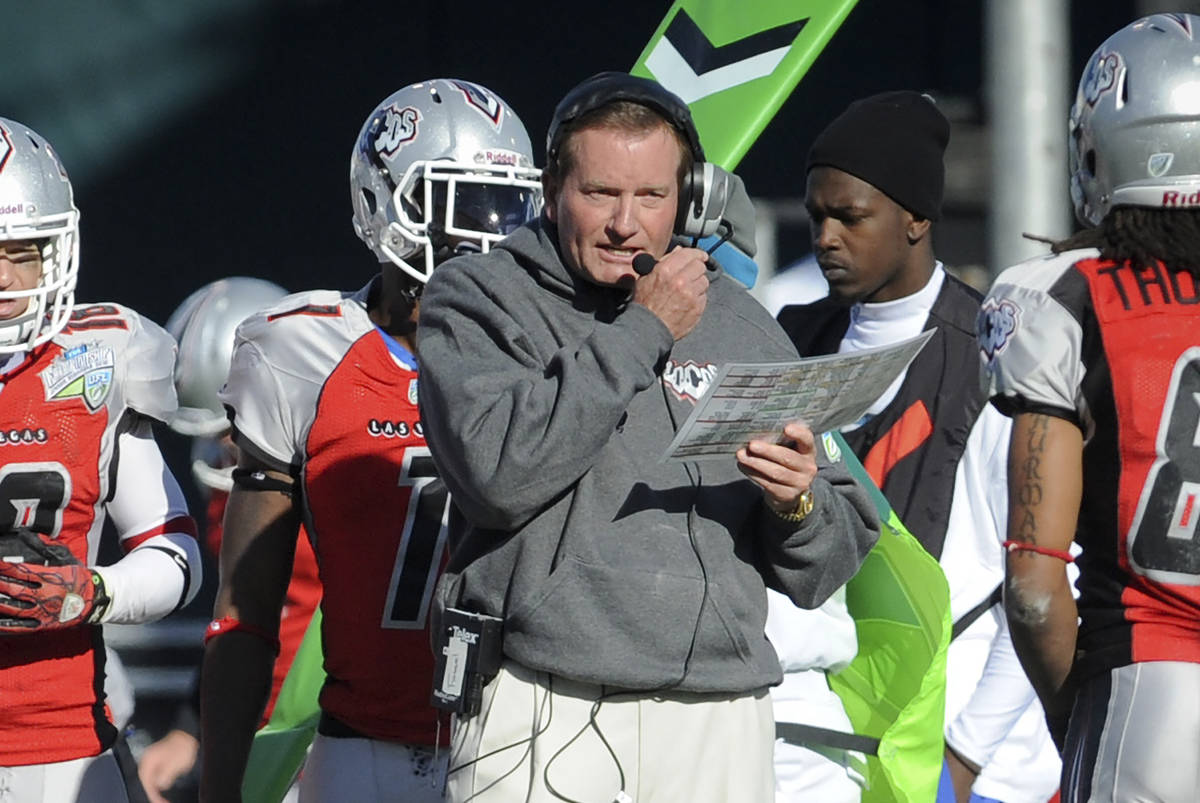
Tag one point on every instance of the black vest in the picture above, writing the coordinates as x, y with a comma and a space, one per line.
915, 443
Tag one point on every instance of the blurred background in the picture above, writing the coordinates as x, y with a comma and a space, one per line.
207, 138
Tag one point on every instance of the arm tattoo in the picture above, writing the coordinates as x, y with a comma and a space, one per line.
1029, 494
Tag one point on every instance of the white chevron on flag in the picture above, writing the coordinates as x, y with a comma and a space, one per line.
671, 70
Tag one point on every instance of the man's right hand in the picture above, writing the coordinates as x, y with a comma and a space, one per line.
676, 290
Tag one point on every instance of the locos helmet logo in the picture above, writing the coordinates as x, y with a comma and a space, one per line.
399, 128
1101, 76
995, 326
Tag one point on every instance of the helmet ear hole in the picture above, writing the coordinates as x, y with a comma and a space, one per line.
1089, 159
369, 199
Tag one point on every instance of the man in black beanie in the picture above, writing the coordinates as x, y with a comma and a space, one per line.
874, 189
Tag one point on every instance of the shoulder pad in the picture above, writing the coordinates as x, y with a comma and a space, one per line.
294, 321
143, 351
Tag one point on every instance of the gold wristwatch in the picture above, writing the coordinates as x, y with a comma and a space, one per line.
804, 506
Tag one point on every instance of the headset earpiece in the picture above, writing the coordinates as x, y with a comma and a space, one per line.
702, 200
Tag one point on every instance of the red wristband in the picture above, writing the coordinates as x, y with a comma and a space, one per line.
1021, 546
227, 624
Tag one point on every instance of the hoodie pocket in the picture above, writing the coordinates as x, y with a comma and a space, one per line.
624, 628
737, 635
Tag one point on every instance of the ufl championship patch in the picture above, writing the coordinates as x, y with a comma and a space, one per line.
85, 372
832, 450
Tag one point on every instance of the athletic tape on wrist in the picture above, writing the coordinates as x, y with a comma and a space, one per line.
227, 624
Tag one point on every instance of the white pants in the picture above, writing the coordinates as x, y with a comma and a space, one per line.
371, 771
545, 738
816, 773
94, 778
1135, 735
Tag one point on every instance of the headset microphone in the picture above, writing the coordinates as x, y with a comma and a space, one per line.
643, 263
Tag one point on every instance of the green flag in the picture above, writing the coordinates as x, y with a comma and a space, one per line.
735, 62
895, 689
280, 746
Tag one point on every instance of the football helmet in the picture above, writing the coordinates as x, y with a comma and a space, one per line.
1135, 124
36, 203
203, 326
440, 168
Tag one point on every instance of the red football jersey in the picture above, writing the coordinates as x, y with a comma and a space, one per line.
316, 391
60, 412
1117, 351
1150, 328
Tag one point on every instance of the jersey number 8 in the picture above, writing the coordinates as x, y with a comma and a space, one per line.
1162, 539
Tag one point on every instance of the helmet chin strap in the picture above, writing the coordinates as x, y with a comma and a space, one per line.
18, 332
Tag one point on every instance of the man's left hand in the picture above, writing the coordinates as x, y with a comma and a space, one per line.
34, 597
783, 470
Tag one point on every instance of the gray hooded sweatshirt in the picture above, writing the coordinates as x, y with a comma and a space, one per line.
547, 402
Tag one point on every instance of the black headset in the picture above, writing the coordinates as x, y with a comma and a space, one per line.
705, 189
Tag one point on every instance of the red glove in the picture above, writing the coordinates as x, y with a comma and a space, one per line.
35, 597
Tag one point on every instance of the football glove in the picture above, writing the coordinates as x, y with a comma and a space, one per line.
23, 545
43, 587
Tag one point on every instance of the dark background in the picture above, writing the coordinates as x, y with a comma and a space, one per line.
253, 180
209, 138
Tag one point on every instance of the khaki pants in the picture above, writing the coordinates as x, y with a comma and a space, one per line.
540, 737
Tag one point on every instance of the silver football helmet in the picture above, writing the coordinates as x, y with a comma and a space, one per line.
36, 203
441, 167
203, 326
1135, 123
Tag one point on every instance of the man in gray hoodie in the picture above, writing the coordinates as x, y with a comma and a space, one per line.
631, 588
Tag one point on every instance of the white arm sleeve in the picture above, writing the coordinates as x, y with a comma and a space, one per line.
990, 691
162, 572
1002, 696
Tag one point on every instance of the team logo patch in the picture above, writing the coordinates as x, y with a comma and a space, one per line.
85, 372
832, 450
688, 380
397, 128
412, 391
482, 101
1159, 163
995, 326
1100, 77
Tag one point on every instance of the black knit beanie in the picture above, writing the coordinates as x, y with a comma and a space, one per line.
894, 141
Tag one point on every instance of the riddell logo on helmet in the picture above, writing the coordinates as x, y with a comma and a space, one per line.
498, 158
1173, 199
12, 209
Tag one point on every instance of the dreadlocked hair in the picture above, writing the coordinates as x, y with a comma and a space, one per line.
1143, 237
